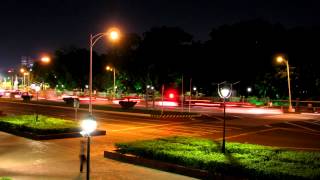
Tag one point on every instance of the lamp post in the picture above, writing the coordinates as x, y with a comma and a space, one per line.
37, 89
11, 71
108, 68
113, 35
224, 93
88, 125
281, 59
22, 70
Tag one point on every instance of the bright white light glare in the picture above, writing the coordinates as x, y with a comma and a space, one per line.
225, 92
33, 86
249, 89
167, 103
114, 35
194, 88
37, 88
88, 125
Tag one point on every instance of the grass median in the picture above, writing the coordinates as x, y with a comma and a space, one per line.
44, 124
243, 160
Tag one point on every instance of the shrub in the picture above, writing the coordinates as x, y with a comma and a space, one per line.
252, 161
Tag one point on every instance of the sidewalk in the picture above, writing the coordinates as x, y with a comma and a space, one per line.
24, 159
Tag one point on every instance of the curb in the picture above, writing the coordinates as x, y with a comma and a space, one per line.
196, 173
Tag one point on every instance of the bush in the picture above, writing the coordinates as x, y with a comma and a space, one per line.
44, 125
252, 161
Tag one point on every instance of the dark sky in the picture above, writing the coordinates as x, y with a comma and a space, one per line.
32, 27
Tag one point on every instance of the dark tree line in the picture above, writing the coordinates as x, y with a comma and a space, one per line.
242, 52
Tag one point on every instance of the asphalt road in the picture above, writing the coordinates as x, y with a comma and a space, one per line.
294, 131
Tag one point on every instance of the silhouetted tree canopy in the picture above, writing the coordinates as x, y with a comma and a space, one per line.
243, 51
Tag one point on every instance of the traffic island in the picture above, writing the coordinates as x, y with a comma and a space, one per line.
203, 159
42, 128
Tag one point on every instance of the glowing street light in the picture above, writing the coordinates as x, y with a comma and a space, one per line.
224, 93
24, 73
281, 59
45, 59
114, 35
108, 68
88, 126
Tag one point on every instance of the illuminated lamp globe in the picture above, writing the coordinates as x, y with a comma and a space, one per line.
114, 34
45, 59
225, 92
280, 59
88, 125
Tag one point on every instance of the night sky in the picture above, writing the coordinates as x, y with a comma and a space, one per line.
32, 27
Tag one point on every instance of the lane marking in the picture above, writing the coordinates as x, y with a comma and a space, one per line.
300, 126
249, 133
299, 131
310, 122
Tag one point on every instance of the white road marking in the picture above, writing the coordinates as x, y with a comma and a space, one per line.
300, 126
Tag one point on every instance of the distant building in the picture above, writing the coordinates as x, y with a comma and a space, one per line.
27, 61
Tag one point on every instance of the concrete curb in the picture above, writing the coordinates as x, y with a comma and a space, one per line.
197, 173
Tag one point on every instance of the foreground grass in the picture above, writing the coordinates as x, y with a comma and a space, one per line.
5, 178
43, 125
253, 161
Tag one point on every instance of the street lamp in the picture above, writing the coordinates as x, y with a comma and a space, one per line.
45, 59
149, 90
24, 73
108, 68
37, 89
224, 93
88, 125
281, 59
113, 35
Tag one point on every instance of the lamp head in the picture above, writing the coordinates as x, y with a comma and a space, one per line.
113, 34
89, 125
224, 92
45, 59
280, 59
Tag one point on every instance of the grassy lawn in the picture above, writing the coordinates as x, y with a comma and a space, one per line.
248, 160
5, 178
44, 125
